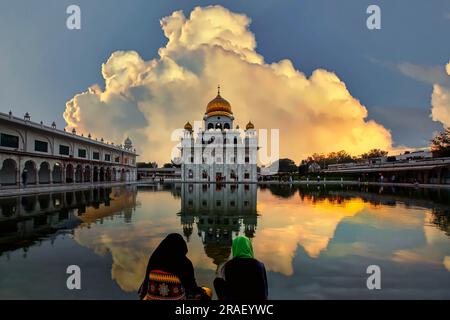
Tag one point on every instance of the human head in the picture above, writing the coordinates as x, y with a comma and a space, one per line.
175, 244
242, 247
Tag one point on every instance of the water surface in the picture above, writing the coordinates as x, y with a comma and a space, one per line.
316, 242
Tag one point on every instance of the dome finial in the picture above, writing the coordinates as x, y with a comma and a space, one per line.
218, 106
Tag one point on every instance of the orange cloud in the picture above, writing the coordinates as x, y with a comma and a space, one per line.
147, 100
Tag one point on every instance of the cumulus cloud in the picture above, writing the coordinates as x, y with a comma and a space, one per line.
147, 100
440, 101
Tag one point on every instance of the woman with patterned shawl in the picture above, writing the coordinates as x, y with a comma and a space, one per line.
170, 274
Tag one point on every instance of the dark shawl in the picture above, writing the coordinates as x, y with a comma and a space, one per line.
245, 279
170, 256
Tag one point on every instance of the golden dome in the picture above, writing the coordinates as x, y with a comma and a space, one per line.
249, 126
218, 106
188, 126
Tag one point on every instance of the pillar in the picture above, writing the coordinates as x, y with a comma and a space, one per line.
36, 173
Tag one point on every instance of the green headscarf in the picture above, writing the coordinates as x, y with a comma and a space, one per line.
242, 247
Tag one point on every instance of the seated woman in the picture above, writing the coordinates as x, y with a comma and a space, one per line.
244, 277
170, 274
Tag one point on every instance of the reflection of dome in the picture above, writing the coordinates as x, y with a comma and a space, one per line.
188, 126
218, 106
249, 126
219, 253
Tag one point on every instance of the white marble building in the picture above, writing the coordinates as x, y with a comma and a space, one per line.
219, 152
51, 156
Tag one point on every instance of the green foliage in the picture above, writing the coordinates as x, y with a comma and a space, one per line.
440, 144
374, 153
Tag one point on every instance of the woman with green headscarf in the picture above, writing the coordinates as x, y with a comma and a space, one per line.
244, 277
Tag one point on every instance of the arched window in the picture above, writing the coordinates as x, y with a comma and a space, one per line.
44, 173
218, 125
235, 140
210, 126
8, 172
226, 126
190, 174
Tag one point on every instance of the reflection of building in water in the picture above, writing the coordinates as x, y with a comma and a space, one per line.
221, 212
29, 218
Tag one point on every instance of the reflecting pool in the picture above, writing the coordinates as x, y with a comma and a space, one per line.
316, 241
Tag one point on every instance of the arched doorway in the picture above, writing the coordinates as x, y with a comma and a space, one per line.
114, 174
87, 174
128, 175
8, 173
102, 174
44, 173
232, 175
29, 203
30, 172
108, 174
79, 174
122, 175
95, 177
57, 173
69, 173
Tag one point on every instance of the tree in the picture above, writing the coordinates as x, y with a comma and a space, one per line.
303, 168
287, 165
338, 157
374, 153
147, 165
440, 144
332, 158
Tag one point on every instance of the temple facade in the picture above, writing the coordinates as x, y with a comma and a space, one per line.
219, 151
45, 155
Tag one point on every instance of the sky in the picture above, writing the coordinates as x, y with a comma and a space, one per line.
313, 67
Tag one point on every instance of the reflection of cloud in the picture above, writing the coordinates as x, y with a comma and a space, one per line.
149, 99
130, 245
339, 229
291, 222
429, 252
447, 263
313, 247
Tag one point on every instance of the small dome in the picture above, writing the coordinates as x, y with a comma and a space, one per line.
218, 106
128, 144
249, 126
188, 126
